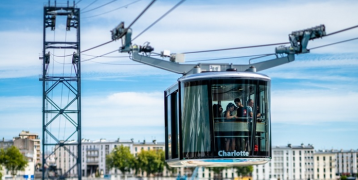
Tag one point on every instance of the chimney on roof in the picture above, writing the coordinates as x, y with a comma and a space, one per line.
144, 141
289, 145
132, 139
302, 145
154, 141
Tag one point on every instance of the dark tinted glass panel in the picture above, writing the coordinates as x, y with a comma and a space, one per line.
225, 118
174, 125
240, 117
169, 129
196, 131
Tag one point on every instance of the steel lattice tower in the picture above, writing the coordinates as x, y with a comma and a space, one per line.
61, 121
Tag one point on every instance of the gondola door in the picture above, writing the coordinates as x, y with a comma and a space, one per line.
172, 125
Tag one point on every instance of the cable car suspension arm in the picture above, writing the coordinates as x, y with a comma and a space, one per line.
298, 45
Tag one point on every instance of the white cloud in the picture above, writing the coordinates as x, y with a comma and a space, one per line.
192, 26
124, 108
313, 106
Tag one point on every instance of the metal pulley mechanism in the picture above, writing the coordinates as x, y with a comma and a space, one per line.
125, 34
299, 40
75, 58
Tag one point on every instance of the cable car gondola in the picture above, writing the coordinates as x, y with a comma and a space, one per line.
197, 133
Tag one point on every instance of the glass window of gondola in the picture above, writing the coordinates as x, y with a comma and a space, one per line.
238, 130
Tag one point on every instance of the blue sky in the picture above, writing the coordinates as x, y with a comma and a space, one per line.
313, 98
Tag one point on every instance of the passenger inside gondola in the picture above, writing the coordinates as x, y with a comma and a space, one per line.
250, 105
218, 112
229, 117
241, 117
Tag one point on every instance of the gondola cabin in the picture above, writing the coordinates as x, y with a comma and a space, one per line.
204, 126
215, 117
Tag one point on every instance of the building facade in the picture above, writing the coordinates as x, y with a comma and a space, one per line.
347, 162
93, 157
27, 143
291, 162
288, 162
325, 165
37, 143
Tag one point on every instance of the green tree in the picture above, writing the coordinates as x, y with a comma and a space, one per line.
2, 156
150, 161
120, 158
13, 160
244, 170
0, 172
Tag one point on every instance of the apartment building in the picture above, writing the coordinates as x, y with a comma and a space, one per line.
325, 165
288, 162
37, 143
27, 143
347, 162
93, 157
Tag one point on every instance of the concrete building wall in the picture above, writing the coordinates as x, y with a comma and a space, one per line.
347, 161
35, 138
288, 162
324, 165
93, 157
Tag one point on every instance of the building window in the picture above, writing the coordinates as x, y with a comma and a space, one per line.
148, 148
317, 158
324, 158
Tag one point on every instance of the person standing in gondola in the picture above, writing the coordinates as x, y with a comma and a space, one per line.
229, 117
241, 116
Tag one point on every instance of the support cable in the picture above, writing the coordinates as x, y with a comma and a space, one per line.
256, 55
234, 48
97, 46
346, 29
78, 2
235, 57
127, 28
105, 56
213, 50
99, 56
89, 5
334, 43
150, 4
158, 19
125, 6
99, 6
